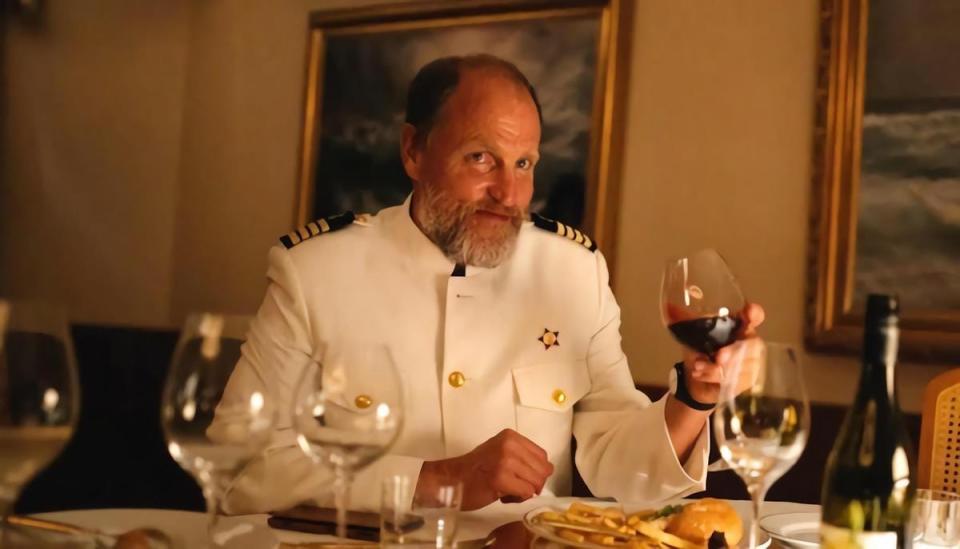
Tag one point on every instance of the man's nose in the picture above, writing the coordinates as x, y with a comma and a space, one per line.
504, 187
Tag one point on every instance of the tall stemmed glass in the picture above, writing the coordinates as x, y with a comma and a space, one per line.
762, 419
347, 412
216, 417
39, 395
701, 301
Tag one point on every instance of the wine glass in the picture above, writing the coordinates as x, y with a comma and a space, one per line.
216, 417
701, 302
347, 412
763, 418
39, 395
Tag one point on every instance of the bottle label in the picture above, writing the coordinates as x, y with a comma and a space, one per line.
832, 537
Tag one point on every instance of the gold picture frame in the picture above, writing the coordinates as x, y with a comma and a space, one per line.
603, 160
833, 322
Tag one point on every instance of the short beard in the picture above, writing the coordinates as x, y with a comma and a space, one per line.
446, 222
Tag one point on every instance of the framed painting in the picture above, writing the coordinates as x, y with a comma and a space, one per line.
360, 62
886, 202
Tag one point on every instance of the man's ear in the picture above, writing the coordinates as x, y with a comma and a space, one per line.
410, 151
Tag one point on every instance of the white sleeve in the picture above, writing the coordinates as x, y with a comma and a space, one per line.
623, 447
279, 344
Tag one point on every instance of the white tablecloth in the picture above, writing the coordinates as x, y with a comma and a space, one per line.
188, 528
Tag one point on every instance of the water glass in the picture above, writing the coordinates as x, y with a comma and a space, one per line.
347, 413
936, 519
39, 400
217, 417
423, 520
762, 419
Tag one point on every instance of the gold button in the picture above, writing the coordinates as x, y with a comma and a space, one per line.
559, 396
456, 379
363, 401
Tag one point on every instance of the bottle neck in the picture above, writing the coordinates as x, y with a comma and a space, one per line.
878, 375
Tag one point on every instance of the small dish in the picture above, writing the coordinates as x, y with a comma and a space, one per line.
797, 530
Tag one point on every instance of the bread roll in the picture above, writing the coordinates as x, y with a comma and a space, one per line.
699, 519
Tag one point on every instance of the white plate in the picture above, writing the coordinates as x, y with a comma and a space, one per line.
546, 532
799, 530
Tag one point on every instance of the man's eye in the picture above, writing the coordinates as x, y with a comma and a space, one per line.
524, 164
478, 157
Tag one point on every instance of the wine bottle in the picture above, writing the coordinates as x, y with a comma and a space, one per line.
868, 485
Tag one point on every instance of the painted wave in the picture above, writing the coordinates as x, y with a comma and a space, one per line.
908, 233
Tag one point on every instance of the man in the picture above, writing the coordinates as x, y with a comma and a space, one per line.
505, 331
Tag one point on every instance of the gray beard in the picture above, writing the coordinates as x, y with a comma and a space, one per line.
446, 222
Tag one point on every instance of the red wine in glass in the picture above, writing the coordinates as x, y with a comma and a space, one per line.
701, 302
707, 335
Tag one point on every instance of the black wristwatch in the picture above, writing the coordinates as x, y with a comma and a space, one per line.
678, 388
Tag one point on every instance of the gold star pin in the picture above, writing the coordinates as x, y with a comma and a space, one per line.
549, 339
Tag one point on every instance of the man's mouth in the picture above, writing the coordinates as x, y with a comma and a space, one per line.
494, 216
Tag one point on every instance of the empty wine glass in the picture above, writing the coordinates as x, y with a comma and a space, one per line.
701, 302
216, 417
39, 395
347, 412
762, 419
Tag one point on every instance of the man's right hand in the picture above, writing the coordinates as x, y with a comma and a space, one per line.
509, 466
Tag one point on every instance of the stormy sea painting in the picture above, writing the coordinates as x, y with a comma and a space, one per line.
363, 96
908, 231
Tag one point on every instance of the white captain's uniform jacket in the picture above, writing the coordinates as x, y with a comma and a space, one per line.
531, 345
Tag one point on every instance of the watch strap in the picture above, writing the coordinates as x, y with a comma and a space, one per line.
683, 395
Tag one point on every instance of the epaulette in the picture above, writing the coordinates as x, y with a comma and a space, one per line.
320, 226
563, 230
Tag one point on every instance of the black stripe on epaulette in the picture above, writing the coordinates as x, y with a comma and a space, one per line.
558, 228
543, 223
318, 227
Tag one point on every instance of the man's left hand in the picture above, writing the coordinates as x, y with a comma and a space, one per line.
703, 376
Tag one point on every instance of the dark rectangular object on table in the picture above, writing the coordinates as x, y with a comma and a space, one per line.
323, 520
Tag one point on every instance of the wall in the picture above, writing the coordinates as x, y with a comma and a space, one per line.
717, 154
241, 143
91, 131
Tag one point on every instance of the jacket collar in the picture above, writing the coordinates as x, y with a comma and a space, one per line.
420, 250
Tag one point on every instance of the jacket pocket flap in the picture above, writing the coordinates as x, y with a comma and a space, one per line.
553, 386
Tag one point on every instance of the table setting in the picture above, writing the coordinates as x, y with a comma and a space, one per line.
187, 528
217, 419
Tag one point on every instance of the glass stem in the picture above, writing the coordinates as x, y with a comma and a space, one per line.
6, 509
212, 495
341, 498
757, 491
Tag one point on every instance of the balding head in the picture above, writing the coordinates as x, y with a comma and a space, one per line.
436, 81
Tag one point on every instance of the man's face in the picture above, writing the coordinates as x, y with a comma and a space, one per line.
473, 176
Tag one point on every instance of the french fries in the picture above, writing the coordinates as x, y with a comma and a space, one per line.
570, 535
609, 526
601, 539
652, 532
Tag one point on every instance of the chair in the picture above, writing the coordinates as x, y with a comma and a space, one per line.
940, 433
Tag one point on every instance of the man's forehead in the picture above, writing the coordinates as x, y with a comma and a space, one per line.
485, 97
486, 85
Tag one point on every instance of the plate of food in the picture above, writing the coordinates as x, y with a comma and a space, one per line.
707, 522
